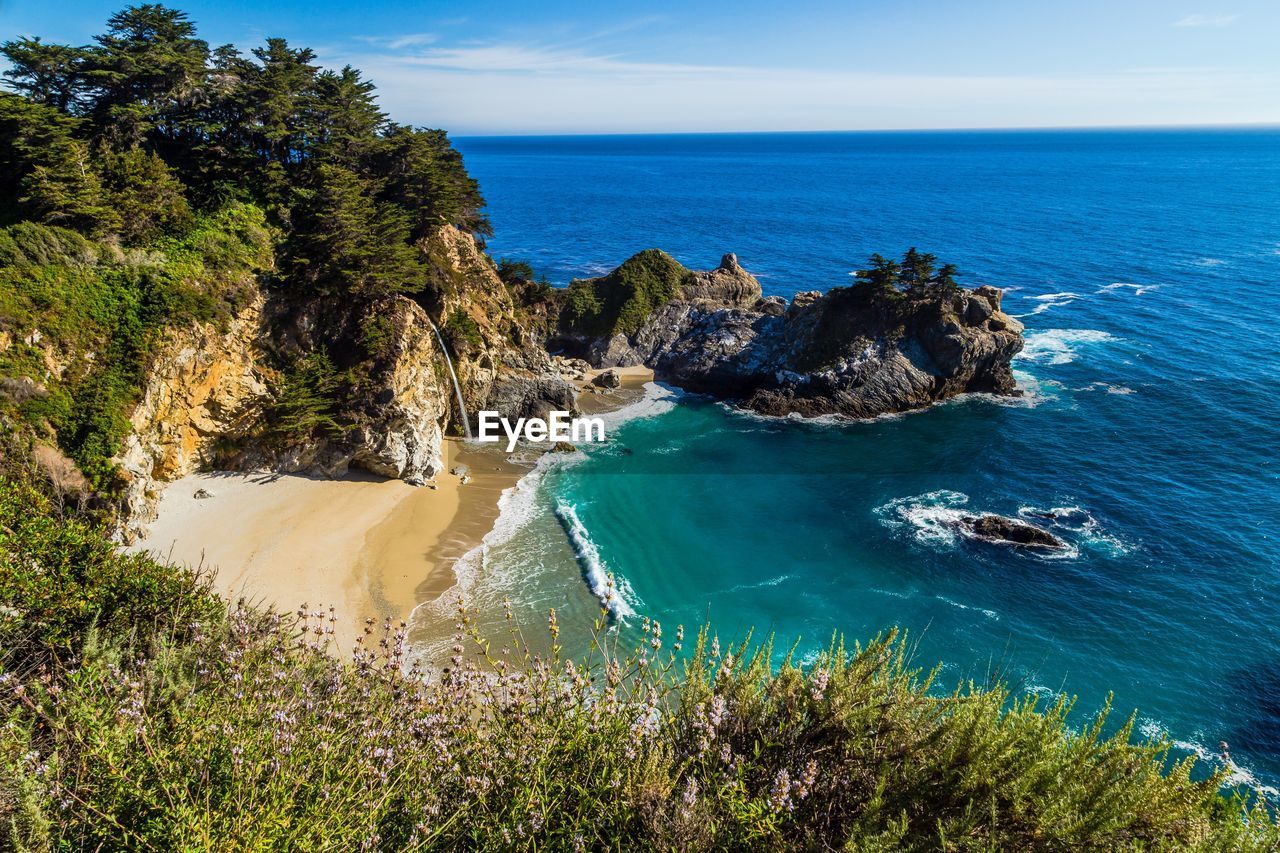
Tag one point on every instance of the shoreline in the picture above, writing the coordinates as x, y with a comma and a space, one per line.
369, 547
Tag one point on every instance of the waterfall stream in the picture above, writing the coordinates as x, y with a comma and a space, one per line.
457, 389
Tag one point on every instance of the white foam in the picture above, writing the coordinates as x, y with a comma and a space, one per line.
1209, 262
594, 569
795, 417
1047, 694
1034, 392
990, 614
658, 399
774, 581
1052, 300
1236, 773
1138, 289
1078, 522
1122, 390
1058, 346
936, 518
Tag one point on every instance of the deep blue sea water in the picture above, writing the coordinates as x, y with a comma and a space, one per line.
1146, 266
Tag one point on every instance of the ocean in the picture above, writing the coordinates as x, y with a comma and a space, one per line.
1146, 267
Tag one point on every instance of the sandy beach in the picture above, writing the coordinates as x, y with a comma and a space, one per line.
369, 547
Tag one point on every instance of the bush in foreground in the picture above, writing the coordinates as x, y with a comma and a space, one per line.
233, 728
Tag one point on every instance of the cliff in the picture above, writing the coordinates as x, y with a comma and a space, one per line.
213, 394
856, 351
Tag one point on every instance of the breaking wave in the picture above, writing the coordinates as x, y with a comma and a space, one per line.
1236, 773
1073, 522
1138, 289
594, 570
1051, 300
1059, 346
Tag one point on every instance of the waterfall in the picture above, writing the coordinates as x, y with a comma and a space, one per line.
457, 389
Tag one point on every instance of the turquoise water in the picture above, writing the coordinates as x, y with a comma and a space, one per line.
1146, 266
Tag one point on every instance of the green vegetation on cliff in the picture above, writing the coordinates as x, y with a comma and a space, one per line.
621, 301
82, 317
146, 180
139, 712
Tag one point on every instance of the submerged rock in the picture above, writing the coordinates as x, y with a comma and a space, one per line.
1009, 531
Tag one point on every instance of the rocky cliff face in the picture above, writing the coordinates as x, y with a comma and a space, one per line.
210, 390
502, 360
203, 387
853, 351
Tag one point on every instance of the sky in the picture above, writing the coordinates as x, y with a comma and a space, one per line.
551, 66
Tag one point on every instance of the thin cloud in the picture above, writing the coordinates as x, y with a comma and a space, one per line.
564, 87
400, 42
520, 59
1206, 21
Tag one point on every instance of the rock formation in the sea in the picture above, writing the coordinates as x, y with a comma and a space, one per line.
857, 351
1001, 530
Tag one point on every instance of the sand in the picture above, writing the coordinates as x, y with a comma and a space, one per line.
371, 548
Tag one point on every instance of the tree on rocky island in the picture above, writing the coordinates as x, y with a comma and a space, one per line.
918, 268
917, 274
945, 280
883, 275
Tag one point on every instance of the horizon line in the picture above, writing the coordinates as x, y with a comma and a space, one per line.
1267, 125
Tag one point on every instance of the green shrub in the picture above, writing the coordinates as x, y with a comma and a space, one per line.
181, 726
60, 577
621, 301
29, 244
462, 332
512, 271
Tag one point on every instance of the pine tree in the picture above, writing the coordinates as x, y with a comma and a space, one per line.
46, 173
425, 175
147, 76
884, 274
49, 74
345, 242
917, 268
145, 194
342, 119
945, 280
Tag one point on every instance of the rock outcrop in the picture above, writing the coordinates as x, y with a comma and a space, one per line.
853, 351
202, 387
400, 428
208, 395
1000, 530
502, 361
